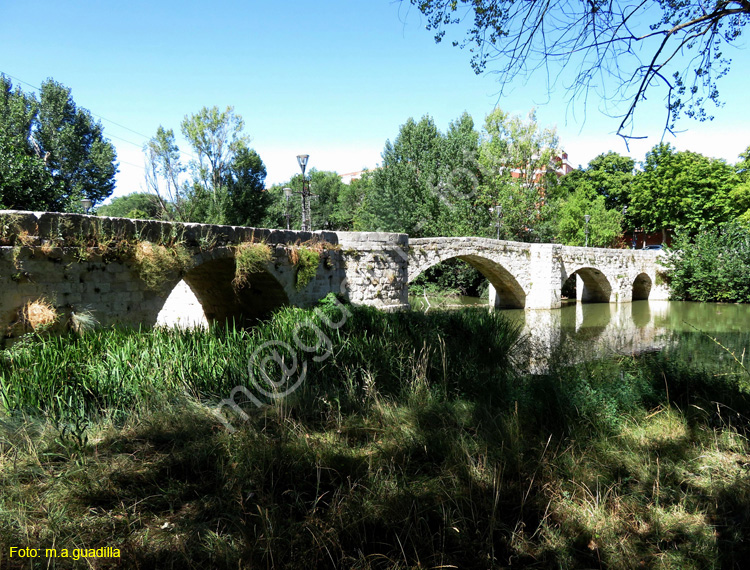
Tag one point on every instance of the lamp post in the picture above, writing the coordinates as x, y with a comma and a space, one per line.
498, 211
306, 222
86, 203
287, 195
587, 218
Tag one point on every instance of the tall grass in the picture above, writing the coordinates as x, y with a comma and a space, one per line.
116, 369
413, 445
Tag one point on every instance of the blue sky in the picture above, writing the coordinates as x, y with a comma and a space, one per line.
333, 79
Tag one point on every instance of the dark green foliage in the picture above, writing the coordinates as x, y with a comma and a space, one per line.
604, 227
609, 175
335, 205
52, 153
139, 205
713, 265
684, 189
452, 277
404, 197
246, 201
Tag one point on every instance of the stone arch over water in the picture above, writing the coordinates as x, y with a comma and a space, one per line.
594, 284
641, 287
509, 292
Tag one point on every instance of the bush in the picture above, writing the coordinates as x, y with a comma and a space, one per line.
714, 265
306, 259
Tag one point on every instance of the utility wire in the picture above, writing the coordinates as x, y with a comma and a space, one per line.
140, 146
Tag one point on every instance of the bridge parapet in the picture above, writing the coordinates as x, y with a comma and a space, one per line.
32, 228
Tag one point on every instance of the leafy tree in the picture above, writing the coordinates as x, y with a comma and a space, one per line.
326, 186
25, 183
246, 198
683, 189
404, 197
226, 177
611, 176
139, 205
327, 189
615, 50
163, 170
742, 168
518, 164
52, 153
350, 200
216, 137
461, 175
605, 225
81, 161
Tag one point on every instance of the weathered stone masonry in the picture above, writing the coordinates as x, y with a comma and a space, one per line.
531, 275
55, 256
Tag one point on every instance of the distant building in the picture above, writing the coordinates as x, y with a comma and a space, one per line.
559, 165
349, 176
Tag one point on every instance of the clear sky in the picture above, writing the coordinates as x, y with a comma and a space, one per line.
332, 78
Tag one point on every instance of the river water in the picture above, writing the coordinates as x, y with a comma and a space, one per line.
591, 330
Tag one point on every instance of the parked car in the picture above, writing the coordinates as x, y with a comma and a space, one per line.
655, 246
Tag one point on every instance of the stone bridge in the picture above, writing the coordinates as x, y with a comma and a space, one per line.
86, 262
531, 276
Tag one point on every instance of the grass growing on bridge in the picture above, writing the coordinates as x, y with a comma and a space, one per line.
157, 263
413, 444
250, 257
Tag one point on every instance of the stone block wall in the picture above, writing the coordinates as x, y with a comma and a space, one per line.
55, 257
376, 268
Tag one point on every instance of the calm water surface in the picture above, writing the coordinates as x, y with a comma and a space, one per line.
589, 330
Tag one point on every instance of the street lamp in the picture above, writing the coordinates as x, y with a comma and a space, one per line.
306, 222
288, 195
498, 211
86, 203
587, 218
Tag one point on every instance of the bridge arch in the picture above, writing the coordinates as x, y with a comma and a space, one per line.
594, 284
210, 282
509, 292
641, 287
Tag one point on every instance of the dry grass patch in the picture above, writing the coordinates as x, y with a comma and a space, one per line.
34, 316
158, 264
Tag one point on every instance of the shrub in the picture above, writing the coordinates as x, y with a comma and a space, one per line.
713, 265
306, 259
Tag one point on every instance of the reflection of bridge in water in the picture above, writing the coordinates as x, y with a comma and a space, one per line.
579, 332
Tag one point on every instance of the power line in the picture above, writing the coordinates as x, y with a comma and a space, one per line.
37, 88
140, 146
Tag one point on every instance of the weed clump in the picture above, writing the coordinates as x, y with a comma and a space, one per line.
157, 263
306, 259
35, 316
250, 258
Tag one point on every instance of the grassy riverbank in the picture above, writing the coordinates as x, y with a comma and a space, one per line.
413, 444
